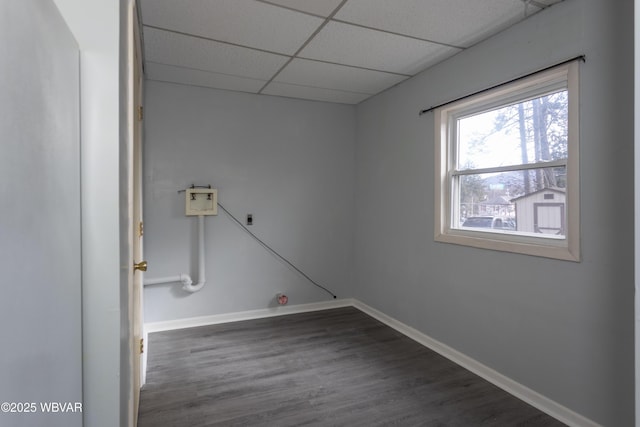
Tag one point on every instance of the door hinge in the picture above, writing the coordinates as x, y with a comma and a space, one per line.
140, 229
140, 113
141, 345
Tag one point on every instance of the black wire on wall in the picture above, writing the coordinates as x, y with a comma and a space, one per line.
270, 249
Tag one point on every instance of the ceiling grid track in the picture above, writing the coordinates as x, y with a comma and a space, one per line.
326, 21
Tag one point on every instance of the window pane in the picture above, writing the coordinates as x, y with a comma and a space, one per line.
528, 132
520, 202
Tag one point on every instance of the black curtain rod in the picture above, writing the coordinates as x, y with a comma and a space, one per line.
583, 58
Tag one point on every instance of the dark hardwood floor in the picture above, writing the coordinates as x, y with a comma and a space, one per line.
328, 368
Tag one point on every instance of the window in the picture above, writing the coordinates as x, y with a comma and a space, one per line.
507, 167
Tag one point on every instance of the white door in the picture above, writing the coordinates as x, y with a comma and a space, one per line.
548, 218
136, 224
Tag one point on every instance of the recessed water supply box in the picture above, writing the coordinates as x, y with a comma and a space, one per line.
201, 201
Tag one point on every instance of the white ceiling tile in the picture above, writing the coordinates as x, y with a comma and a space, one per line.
245, 22
175, 49
454, 22
331, 76
369, 45
362, 47
314, 93
170, 73
317, 7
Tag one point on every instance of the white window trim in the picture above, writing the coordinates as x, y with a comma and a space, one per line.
563, 249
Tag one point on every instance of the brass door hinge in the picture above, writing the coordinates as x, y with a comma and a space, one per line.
141, 345
140, 113
140, 229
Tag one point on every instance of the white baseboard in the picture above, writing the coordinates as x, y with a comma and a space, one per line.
514, 388
215, 319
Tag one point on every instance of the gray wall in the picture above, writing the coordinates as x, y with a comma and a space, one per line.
288, 162
40, 309
636, 120
563, 329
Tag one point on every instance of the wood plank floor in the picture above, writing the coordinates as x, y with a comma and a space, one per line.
328, 368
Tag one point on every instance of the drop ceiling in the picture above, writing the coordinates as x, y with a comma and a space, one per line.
340, 51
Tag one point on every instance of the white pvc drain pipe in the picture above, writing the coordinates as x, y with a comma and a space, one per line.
184, 278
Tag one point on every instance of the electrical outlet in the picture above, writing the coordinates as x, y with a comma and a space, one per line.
249, 219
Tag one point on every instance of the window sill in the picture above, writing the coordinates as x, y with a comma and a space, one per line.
548, 248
